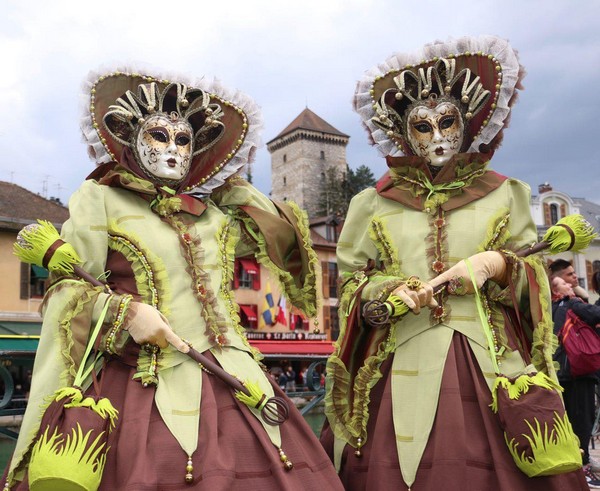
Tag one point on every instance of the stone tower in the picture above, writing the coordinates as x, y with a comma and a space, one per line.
300, 156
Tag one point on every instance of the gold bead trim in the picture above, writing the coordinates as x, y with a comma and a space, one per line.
139, 254
109, 345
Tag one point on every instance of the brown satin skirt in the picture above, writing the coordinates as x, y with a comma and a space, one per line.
234, 452
466, 447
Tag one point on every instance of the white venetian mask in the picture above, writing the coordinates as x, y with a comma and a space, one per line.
435, 133
164, 147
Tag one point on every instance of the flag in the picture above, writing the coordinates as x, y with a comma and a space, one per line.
268, 310
282, 312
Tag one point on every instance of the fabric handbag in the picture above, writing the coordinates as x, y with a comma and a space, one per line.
69, 451
531, 412
582, 345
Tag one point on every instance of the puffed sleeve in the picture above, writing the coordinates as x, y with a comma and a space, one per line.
357, 251
277, 234
528, 291
86, 230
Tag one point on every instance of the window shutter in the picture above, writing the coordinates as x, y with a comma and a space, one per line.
563, 211
325, 277
326, 318
547, 217
25, 279
256, 277
589, 270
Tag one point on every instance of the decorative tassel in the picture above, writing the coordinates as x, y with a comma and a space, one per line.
287, 463
397, 306
257, 399
33, 243
571, 233
189, 469
359, 444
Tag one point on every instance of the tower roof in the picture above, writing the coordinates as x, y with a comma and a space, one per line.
308, 120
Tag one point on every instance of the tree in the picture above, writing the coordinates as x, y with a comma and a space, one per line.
337, 189
359, 179
332, 194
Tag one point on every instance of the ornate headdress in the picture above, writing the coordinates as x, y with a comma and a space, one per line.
224, 125
479, 75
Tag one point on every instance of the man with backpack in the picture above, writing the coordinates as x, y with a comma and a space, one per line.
579, 391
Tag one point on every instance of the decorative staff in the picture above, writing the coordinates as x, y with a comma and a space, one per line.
571, 233
40, 244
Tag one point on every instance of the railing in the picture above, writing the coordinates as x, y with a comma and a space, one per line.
10, 404
313, 387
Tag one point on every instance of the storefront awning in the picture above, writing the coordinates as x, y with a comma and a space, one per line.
249, 266
39, 272
19, 336
288, 348
250, 314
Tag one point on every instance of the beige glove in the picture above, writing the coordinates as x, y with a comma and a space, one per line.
146, 325
488, 265
416, 294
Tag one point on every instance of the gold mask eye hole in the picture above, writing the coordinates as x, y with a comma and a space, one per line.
159, 135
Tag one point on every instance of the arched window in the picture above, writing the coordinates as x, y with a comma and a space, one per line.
284, 181
322, 155
554, 213
284, 158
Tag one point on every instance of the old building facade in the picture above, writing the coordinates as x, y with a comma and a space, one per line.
549, 206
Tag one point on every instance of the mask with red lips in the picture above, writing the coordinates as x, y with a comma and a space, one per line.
163, 148
435, 132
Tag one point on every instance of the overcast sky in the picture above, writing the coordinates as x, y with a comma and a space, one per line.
289, 54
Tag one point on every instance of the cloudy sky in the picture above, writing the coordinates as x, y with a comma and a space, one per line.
289, 54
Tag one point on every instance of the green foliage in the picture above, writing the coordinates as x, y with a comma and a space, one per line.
337, 189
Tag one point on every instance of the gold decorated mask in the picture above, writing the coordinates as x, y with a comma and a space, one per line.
435, 131
163, 147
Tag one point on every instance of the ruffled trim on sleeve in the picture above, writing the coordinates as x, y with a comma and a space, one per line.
349, 385
301, 289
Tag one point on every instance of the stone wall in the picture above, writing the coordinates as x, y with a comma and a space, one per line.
298, 167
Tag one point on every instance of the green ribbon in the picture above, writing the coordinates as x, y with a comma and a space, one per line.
168, 190
484, 320
445, 186
83, 372
159, 197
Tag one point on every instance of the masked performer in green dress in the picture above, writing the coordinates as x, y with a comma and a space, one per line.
408, 404
162, 219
